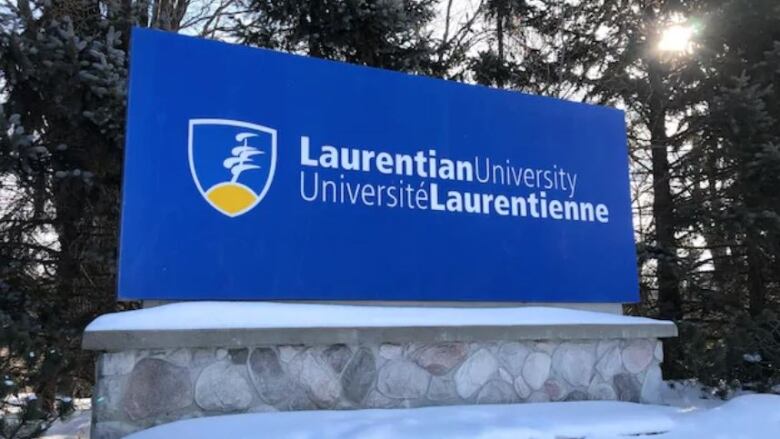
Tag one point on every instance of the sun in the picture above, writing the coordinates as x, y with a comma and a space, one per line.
676, 38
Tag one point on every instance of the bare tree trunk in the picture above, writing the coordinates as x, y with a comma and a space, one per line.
669, 300
500, 16
178, 14
143, 11
314, 46
715, 242
756, 284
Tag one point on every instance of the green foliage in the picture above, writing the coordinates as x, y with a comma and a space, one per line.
33, 360
378, 33
63, 72
705, 145
733, 202
737, 354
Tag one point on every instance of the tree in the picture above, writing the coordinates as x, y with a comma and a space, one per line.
702, 125
63, 72
614, 46
497, 67
737, 152
387, 34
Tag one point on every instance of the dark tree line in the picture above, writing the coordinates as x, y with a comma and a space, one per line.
704, 130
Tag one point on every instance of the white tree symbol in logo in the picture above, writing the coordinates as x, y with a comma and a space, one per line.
231, 196
241, 159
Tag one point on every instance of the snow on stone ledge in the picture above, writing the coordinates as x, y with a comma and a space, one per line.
262, 315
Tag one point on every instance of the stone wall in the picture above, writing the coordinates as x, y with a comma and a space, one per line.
140, 388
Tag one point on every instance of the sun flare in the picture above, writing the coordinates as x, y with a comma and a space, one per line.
676, 38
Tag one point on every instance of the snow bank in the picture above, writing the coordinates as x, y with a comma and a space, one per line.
751, 416
548, 420
744, 417
233, 315
76, 426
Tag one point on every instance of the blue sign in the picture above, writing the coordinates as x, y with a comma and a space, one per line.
253, 174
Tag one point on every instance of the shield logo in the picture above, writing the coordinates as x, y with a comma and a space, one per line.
232, 163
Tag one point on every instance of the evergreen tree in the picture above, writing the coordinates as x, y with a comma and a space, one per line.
703, 123
527, 48
737, 205
63, 71
608, 51
379, 33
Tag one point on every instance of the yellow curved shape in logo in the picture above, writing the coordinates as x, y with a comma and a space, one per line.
231, 198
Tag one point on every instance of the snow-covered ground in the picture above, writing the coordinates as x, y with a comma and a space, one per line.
75, 426
690, 413
748, 416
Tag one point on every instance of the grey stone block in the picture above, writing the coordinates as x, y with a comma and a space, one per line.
638, 355
577, 395
320, 381
512, 356
337, 356
555, 389
359, 375
659, 351
117, 363
652, 385
627, 387
238, 356
610, 363
403, 379
270, 380
539, 396
496, 392
376, 400
156, 386
601, 391
440, 358
475, 373
575, 362
287, 352
521, 388
391, 351
221, 387
503, 375
604, 346
203, 357
140, 388
536, 369
442, 390
298, 399
180, 357
107, 397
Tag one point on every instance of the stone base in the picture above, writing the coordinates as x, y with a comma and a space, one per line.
139, 387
